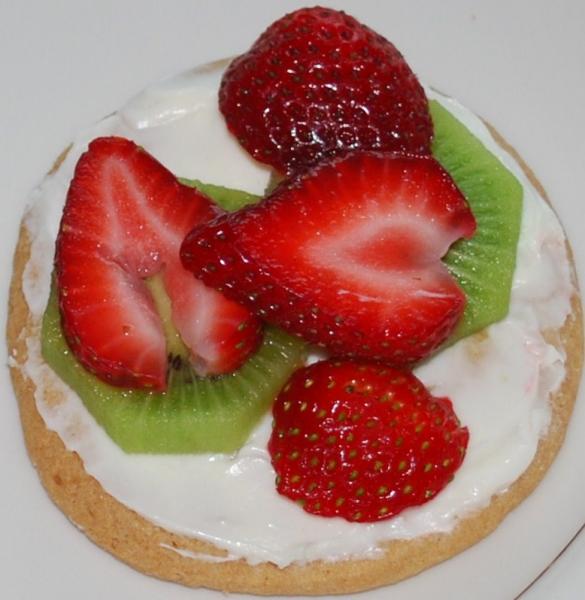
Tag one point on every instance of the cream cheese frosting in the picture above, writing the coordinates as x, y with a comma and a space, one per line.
499, 381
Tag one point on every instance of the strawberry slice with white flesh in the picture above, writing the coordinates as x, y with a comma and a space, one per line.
123, 222
346, 255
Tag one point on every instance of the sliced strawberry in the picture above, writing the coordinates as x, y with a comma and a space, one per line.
346, 256
319, 83
123, 221
223, 332
362, 441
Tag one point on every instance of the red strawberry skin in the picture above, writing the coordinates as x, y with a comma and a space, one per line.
346, 255
124, 219
318, 83
362, 441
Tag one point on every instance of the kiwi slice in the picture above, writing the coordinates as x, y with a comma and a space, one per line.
194, 414
484, 265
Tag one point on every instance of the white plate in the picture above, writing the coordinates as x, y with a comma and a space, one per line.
66, 64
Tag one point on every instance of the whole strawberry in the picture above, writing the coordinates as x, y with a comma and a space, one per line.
362, 441
319, 83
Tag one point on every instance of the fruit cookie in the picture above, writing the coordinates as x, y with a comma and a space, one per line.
322, 390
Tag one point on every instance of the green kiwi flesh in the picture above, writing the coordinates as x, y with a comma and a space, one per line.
484, 265
214, 414
228, 198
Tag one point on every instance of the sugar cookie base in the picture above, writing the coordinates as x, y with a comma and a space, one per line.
149, 548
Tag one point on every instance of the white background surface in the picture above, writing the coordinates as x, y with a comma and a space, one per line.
64, 64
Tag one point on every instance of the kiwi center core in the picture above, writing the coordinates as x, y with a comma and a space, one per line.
162, 303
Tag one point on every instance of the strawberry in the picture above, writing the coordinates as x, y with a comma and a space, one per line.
318, 83
362, 441
123, 221
346, 255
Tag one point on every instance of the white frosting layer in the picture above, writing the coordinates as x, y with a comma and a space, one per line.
499, 384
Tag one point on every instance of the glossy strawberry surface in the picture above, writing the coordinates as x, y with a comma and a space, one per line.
362, 441
319, 83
